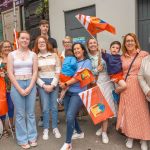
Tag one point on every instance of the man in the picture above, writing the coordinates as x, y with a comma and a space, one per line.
44, 27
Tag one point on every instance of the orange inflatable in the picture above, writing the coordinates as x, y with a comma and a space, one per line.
3, 100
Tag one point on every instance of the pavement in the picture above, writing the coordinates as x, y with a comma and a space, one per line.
90, 142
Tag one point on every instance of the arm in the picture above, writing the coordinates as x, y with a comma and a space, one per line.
34, 75
12, 77
145, 87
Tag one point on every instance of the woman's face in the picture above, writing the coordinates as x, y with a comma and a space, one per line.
24, 40
67, 44
130, 43
78, 51
6, 48
92, 45
42, 45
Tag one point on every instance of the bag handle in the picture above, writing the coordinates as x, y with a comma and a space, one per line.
131, 65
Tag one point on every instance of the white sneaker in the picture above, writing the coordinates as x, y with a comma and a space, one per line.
66, 146
45, 134
129, 143
144, 145
56, 133
105, 138
77, 135
99, 132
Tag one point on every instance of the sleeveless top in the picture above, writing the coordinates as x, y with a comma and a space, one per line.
22, 67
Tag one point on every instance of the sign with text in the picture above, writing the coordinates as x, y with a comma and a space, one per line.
8, 4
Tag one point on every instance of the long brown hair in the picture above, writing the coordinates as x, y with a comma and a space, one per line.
124, 49
49, 46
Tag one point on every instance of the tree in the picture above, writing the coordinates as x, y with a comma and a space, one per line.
42, 9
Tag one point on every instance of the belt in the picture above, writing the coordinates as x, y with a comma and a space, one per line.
23, 77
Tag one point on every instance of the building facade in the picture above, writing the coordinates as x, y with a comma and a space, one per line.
126, 15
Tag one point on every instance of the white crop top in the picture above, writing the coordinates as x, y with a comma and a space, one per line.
22, 67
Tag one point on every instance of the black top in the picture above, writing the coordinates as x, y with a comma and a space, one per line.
53, 42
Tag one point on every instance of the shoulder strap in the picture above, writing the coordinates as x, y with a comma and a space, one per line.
131, 66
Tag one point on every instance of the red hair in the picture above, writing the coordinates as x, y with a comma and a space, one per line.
48, 45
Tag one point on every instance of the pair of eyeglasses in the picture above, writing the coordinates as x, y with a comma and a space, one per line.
42, 42
130, 41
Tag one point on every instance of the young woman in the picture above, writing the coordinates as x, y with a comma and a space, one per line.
133, 114
72, 101
6, 48
48, 75
103, 81
22, 71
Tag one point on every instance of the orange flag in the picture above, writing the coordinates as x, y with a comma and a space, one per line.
85, 76
3, 100
95, 25
96, 105
16, 34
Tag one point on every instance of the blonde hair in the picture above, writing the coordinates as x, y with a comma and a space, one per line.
67, 37
137, 46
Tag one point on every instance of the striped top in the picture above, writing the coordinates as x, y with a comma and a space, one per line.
22, 67
48, 67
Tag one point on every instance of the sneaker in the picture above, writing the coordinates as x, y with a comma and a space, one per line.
144, 145
33, 143
99, 132
66, 146
40, 122
105, 138
129, 143
56, 133
45, 134
78, 135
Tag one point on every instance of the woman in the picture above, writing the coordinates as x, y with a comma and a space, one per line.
103, 81
144, 76
133, 115
6, 48
22, 71
72, 101
48, 72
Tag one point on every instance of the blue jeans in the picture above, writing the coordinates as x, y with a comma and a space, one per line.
72, 105
25, 113
49, 102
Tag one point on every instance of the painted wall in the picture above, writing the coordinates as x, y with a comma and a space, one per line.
120, 13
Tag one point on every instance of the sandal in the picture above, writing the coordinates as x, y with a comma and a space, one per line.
33, 143
5, 133
25, 146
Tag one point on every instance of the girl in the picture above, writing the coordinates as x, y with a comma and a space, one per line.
22, 71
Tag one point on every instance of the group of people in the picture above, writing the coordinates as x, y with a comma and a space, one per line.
44, 70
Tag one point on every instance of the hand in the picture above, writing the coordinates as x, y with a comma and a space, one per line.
100, 68
27, 90
118, 91
62, 85
148, 94
2, 74
103, 50
22, 92
48, 88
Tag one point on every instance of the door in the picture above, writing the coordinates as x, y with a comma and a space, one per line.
73, 26
144, 24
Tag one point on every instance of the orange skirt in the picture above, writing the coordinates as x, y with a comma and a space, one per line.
117, 77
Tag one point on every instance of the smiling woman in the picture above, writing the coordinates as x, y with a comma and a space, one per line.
72, 101
22, 71
48, 71
132, 100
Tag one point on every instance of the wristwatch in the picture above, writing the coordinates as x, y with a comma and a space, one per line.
65, 84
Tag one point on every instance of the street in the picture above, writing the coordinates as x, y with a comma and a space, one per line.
90, 142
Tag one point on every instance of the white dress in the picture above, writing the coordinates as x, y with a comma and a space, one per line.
104, 82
